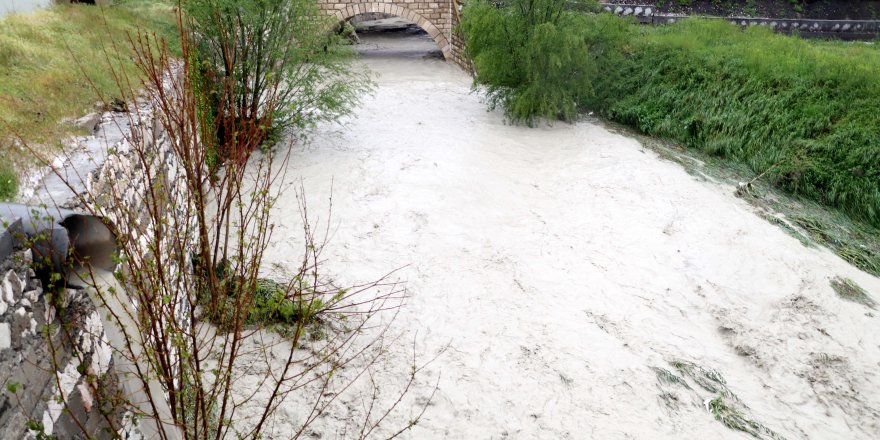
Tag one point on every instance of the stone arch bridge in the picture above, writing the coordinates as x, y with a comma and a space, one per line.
437, 17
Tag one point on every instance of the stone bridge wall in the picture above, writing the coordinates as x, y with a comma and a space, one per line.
437, 17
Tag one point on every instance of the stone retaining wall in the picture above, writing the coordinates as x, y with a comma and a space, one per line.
31, 330
33, 342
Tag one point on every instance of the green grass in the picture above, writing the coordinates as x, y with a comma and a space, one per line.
273, 306
51, 59
807, 111
8, 181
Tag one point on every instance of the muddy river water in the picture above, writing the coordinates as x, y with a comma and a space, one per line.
568, 269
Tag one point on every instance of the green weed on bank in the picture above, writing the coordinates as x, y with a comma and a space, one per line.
807, 112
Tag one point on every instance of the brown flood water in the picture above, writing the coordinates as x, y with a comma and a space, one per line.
564, 266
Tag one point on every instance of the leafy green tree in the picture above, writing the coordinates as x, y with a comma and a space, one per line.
271, 65
532, 56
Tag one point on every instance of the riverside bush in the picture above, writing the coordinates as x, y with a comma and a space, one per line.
807, 112
251, 50
529, 56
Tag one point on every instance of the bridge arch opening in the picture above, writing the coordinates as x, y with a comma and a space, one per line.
421, 21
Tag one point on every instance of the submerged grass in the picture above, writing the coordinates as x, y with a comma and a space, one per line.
56, 63
668, 377
850, 291
782, 224
707, 378
733, 418
814, 224
810, 222
725, 407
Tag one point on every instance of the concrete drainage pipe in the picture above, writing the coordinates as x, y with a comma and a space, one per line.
82, 249
62, 241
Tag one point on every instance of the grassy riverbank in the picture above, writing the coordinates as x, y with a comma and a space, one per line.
804, 115
55, 63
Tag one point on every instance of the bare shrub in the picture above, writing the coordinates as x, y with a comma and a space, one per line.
185, 309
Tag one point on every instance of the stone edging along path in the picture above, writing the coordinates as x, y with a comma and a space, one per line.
815, 28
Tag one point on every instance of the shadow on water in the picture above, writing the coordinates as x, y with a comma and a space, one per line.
395, 38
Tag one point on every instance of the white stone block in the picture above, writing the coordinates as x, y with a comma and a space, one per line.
5, 336
7, 291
